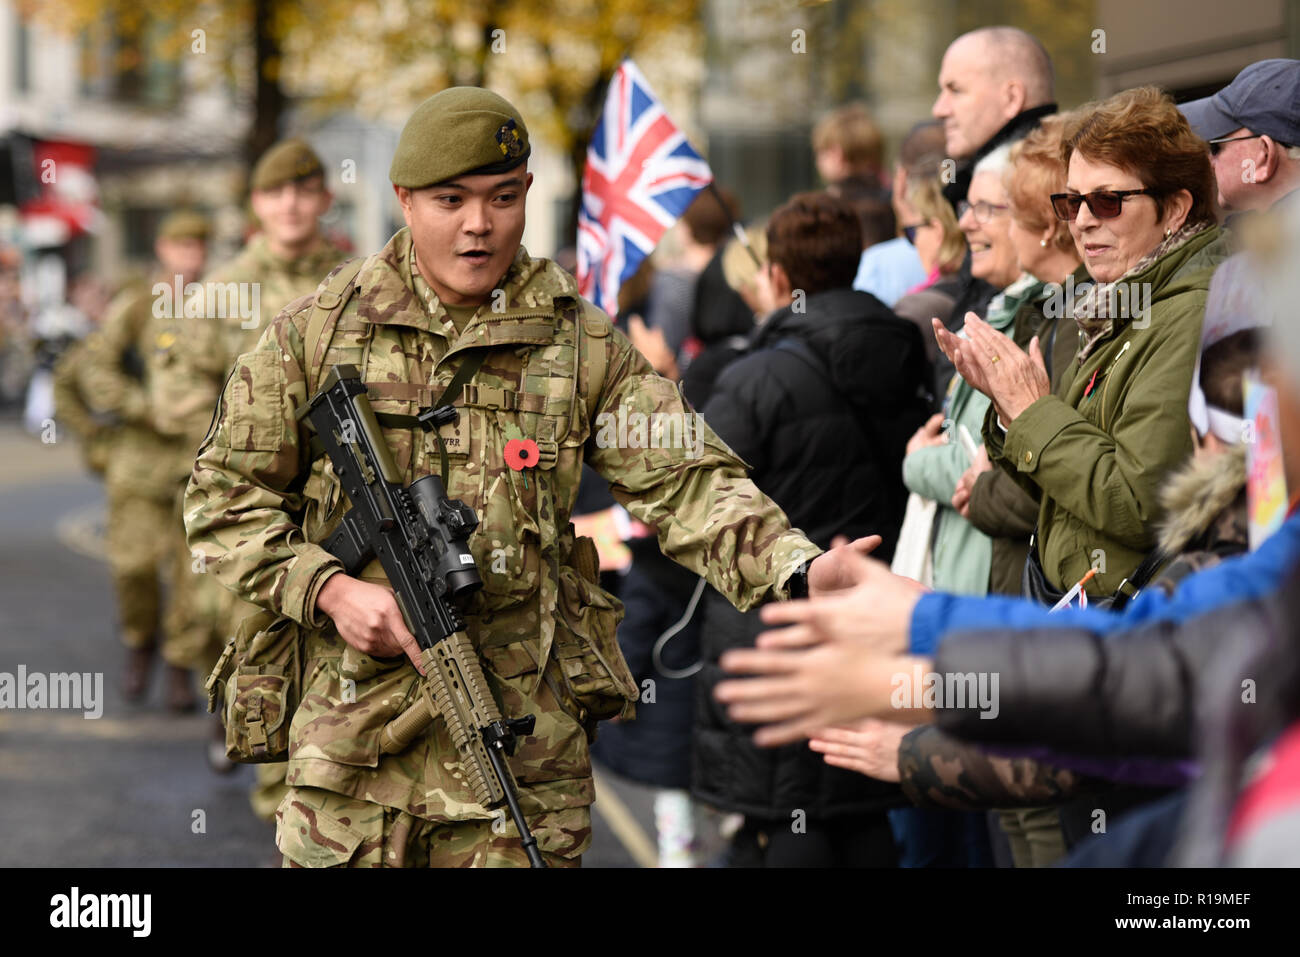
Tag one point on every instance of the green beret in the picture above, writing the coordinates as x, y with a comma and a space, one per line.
464, 129
286, 162
184, 224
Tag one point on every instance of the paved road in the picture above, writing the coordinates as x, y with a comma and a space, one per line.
132, 786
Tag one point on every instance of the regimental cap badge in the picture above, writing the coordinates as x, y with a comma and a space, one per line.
509, 141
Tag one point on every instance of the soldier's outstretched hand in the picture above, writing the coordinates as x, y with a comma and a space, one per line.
367, 618
842, 567
875, 612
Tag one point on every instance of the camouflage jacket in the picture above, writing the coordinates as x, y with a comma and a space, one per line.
257, 503
195, 347
938, 770
113, 380
71, 410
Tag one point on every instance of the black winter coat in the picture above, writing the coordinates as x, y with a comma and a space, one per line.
1133, 693
824, 422
821, 408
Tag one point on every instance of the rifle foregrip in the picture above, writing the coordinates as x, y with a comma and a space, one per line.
405, 728
463, 698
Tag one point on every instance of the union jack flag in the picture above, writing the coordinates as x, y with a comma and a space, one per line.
641, 175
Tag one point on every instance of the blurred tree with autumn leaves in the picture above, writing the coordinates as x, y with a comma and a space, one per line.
379, 58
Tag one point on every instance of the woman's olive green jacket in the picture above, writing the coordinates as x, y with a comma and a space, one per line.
1116, 426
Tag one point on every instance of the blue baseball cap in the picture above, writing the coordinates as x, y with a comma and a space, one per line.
1263, 98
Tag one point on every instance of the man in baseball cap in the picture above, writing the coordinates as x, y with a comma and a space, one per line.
1253, 128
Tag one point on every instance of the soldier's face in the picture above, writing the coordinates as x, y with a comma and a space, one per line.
181, 257
289, 212
466, 232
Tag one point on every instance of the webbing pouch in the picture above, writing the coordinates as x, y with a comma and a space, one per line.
262, 671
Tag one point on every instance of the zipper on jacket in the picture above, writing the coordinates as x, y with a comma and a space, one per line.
1101, 415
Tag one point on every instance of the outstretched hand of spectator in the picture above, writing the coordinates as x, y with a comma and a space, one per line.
873, 609
797, 692
867, 746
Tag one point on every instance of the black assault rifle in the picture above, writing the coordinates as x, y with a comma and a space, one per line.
419, 537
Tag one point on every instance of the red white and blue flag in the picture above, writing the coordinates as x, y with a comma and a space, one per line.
641, 175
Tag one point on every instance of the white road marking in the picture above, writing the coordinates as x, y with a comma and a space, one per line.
82, 531
624, 824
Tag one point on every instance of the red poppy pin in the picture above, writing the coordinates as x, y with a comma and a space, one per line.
522, 454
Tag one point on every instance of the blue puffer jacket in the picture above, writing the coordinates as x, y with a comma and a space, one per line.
1122, 686
1233, 580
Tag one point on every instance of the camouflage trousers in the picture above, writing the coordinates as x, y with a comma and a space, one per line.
269, 790
146, 555
318, 828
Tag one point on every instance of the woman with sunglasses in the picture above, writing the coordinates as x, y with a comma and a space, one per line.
1139, 201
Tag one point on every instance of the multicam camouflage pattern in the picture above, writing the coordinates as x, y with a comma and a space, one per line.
939, 770
114, 379
257, 503
191, 356
94, 436
321, 829
143, 479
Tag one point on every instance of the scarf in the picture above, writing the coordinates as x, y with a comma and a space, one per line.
1095, 307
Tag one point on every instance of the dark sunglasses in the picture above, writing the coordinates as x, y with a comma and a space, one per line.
909, 232
1104, 203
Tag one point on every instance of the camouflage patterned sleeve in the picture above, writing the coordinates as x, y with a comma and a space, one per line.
671, 471
106, 386
938, 770
245, 491
69, 407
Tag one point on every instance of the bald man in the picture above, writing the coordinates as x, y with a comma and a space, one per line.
995, 84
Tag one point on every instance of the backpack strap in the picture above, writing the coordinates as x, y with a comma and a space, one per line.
331, 299
591, 327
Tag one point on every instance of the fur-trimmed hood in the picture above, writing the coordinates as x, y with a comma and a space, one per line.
1198, 495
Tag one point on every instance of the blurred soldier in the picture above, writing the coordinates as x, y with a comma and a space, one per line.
196, 352
454, 298
94, 432
143, 464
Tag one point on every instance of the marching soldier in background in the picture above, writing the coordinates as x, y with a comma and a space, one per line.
94, 433
540, 378
144, 542
196, 352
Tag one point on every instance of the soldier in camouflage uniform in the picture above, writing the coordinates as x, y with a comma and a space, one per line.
71, 410
454, 284
145, 542
196, 352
